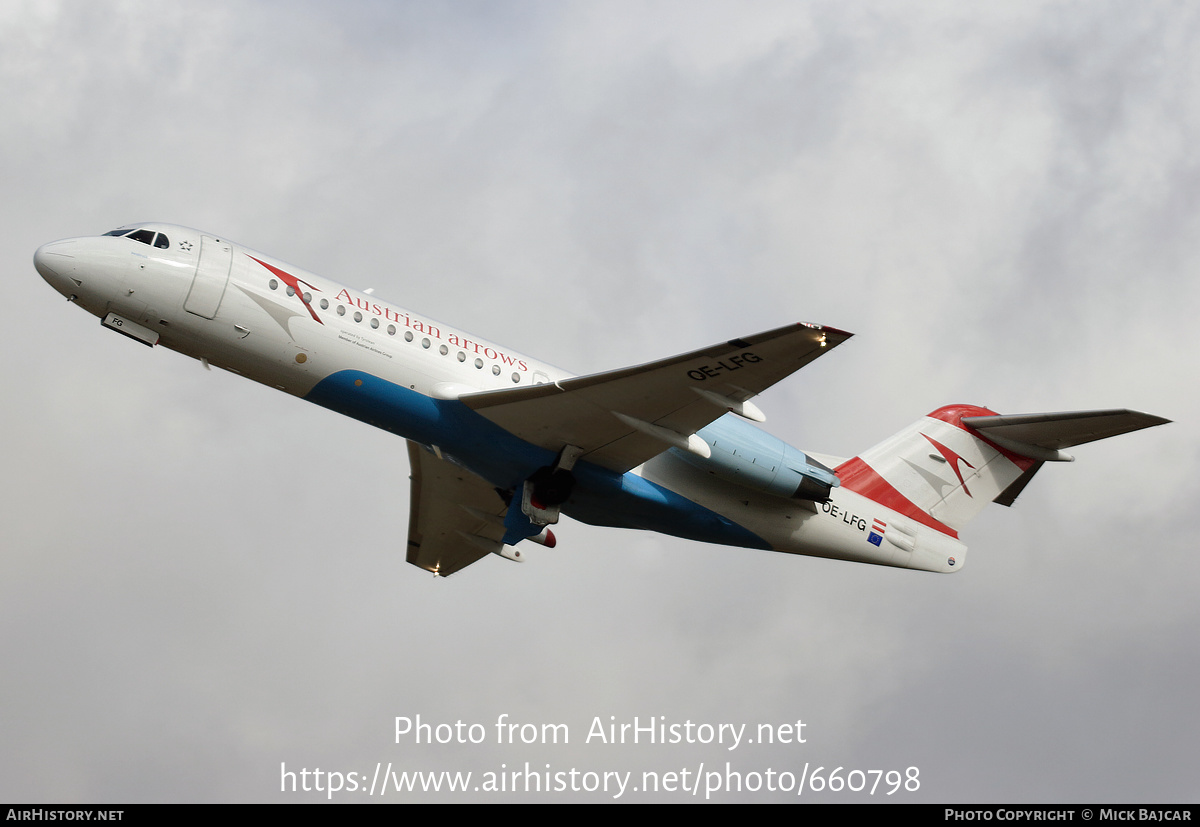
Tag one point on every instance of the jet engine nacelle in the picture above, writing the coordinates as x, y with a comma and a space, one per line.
764, 463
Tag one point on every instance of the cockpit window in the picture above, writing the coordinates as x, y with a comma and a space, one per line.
144, 236
158, 240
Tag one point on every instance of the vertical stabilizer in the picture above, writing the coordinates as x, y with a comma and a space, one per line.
938, 471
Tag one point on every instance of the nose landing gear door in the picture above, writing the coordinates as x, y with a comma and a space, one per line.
212, 274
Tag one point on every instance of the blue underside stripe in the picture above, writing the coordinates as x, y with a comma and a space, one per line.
601, 497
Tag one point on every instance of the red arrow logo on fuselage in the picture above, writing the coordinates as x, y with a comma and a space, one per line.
294, 283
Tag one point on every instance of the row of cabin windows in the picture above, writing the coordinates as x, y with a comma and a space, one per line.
391, 329
150, 237
161, 241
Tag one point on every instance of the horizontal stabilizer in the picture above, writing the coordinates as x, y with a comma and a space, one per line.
1042, 436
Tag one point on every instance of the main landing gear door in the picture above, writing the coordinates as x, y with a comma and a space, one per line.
212, 274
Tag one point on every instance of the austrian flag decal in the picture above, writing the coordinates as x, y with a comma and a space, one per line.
878, 527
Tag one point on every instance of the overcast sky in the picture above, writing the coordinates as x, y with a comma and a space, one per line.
204, 579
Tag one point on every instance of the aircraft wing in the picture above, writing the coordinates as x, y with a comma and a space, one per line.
455, 518
624, 417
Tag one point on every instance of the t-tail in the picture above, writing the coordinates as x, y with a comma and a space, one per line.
942, 470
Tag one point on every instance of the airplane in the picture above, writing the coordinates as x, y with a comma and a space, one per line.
501, 444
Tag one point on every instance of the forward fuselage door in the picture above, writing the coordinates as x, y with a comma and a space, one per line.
212, 275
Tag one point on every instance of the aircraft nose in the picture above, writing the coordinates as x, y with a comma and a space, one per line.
53, 261
56, 263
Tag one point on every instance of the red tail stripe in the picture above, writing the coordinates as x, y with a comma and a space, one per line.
862, 479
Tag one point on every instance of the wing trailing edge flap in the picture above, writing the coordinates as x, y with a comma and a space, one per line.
455, 517
624, 417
